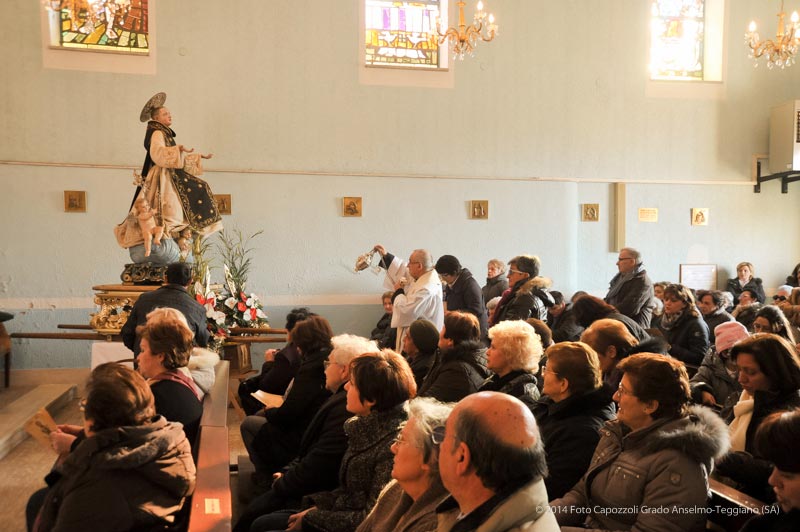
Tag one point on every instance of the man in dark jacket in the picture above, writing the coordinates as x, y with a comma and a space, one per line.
171, 294
462, 291
631, 290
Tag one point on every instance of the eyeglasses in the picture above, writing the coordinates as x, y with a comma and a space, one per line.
779, 298
545, 369
515, 272
620, 259
329, 363
622, 391
437, 437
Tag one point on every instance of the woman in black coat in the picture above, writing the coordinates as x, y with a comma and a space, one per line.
769, 372
462, 291
683, 327
745, 280
272, 439
460, 365
570, 414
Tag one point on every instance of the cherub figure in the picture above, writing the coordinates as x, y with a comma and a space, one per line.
185, 242
147, 223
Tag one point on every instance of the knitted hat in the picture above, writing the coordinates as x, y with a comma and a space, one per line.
424, 335
729, 334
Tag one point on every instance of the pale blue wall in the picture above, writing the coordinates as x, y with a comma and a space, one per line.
560, 95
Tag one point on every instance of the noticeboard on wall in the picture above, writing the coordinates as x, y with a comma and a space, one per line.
699, 276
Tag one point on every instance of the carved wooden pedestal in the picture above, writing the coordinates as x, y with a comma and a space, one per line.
115, 301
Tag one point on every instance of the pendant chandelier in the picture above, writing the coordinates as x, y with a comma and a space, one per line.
779, 52
463, 38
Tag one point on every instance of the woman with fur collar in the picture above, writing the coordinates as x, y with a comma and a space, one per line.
528, 296
460, 365
650, 469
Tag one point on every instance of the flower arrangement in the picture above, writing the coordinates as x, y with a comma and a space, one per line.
229, 305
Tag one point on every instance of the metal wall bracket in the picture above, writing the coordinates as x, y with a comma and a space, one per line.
785, 177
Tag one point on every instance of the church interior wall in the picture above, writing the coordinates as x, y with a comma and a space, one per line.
542, 120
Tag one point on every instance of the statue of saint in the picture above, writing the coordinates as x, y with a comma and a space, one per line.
169, 183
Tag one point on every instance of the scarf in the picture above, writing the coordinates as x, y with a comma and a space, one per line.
176, 376
668, 321
500, 304
742, 414
621, 278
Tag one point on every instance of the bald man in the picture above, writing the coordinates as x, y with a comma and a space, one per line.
417, 290
492, 462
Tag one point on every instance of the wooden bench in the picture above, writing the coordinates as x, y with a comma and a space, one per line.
211, 506
731, 508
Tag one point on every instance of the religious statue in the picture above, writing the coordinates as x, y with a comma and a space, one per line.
169, 182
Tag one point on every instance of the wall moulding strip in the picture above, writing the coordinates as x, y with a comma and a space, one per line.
717, 182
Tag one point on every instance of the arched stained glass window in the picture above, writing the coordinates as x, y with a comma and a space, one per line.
100, 25
677, 42
403, 34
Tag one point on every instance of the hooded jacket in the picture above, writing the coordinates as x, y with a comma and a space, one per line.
643, 478
456, 373
530, 299
120, 479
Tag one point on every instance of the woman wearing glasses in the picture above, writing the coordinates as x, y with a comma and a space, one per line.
408, 503
655, 457
527, 296
379, 386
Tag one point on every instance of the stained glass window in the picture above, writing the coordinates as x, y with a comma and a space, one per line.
403, 34
100, 25
677, 39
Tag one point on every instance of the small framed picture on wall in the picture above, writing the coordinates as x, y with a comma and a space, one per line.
74, 201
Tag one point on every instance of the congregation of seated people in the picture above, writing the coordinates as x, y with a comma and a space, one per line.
503, 408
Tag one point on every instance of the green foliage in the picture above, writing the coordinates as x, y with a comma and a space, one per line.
235, 251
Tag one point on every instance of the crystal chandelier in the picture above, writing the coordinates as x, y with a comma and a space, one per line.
463, 38
782, 50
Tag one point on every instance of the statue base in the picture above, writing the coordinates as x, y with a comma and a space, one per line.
116, 301
145, 273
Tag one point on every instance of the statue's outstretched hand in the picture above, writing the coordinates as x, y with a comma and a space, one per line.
207, 156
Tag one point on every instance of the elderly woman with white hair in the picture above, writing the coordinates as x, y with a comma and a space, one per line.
408, 503
513, 357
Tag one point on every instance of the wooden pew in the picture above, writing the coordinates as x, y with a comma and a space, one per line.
211, 506
731, 508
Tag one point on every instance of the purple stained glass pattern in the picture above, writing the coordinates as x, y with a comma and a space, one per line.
402, 34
